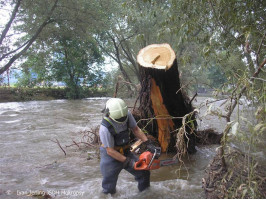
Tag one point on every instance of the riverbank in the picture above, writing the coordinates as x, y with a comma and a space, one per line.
13, 94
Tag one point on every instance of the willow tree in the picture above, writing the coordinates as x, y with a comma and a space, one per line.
8, 54
41, 22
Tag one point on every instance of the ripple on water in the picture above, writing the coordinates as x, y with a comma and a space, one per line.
12, 121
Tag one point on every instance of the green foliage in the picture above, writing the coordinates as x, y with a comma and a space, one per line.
216, 76
218, 43
68, 21
203, 33
26, 80
73, 60
1, 79
34, 70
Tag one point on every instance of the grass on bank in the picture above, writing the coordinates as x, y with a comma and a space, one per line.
10, 94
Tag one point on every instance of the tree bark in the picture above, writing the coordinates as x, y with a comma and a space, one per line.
162, 98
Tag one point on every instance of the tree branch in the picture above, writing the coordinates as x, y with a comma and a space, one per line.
243, 89
118, 59
58, 143
8, 25
129, 56
33, 38
11, 52
258, 51
105, 50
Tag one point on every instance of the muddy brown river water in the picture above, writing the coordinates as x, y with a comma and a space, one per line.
32, 164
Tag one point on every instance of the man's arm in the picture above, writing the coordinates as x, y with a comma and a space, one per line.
108, 142
115, 154
118, 156
139, 134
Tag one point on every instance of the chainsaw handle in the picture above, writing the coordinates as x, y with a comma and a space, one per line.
147, 162
141, 165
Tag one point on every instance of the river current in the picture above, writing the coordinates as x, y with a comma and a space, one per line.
32, 164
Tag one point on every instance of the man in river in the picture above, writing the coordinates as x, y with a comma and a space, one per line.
115, 149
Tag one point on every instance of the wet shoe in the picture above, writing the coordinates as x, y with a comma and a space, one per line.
108, 192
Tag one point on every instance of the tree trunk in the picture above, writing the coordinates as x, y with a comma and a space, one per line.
162, 98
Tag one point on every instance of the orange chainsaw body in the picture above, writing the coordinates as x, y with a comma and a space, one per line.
147, 162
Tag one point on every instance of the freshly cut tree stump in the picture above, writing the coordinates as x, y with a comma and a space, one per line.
162, 98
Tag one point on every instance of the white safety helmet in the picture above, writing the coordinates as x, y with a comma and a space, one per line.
116, 109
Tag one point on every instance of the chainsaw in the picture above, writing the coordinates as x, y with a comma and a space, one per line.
149, 161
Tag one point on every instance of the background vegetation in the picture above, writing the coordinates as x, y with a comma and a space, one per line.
68, 41
219, 44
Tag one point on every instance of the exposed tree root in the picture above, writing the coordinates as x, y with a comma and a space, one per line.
203, 137
208, 136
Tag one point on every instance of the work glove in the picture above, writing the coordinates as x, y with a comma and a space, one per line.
150, 146
129, 163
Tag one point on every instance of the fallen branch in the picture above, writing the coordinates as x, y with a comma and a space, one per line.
196, 94
88, 137
58, 143
75, 143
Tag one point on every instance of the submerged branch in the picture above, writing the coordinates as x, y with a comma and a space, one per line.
58, 143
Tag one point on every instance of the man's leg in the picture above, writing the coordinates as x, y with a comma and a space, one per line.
142, 176
110, 169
